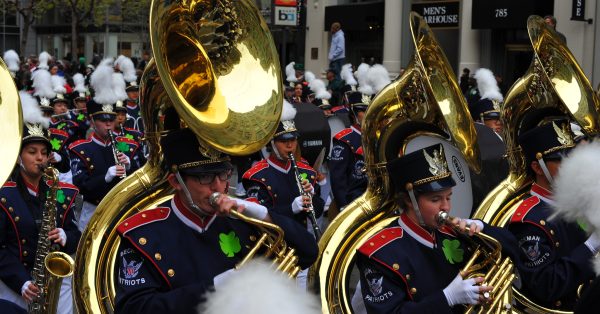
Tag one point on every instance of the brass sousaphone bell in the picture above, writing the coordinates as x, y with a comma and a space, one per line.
11, 129
216, 65
554, 83
424, 102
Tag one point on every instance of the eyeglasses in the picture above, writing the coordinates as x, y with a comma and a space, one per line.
209, 177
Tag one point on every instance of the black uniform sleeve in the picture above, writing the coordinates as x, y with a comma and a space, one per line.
141, 289
508, 241
12, 271
384, 292
90, 186
299, 238
340, 174
258, 192
318, 202
548, 276
65, 163
72, 232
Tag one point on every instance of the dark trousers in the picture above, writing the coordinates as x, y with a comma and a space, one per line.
336, 66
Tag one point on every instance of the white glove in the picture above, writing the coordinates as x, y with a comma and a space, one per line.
479, 223
253, 210
111, 173
593, 243
223, 277
297, 205
57, 157
461, 291
62, 237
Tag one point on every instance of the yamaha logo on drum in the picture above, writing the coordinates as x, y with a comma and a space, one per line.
312, 143
458, 169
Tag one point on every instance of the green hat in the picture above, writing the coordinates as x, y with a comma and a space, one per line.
299, 66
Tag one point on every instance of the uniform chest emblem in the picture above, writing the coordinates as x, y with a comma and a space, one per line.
375, 281
122, 147
230, 243
452, 251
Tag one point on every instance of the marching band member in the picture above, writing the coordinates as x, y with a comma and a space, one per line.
412, 265
171, 255
80, 98
22, 201
98, 163
486, 109
554, 254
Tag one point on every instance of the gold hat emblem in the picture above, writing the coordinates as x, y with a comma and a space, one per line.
134, 83
564, 135
289, 125
35, 129
45, 101
107, 108
437, 162
365, 99
82, 95
119, 103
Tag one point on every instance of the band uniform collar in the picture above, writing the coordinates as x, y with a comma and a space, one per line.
417, 232
99, 140
189, 218
283, 166
544, 194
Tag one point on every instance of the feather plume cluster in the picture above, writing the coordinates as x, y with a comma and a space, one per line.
288, 112
31, 110
487, 85
79, 81
378, 77
347, 75
42, 83
102, 83
290, 72
12, 60
259, 289
43, 59
127, 68
318, 87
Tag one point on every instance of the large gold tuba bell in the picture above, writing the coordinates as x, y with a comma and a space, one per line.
554, 83
424, 101
216, 65
11, 130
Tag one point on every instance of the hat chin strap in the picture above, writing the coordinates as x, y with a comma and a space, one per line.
275, 151
545, 170
188, 197
413, 200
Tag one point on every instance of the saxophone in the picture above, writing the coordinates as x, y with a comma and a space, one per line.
50, 266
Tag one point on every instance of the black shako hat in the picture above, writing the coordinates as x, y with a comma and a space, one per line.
358, 101
183, 153
549, 141
485, 109
35, 133
424, 170
101, 112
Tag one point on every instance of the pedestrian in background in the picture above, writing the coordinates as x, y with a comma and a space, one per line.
337, 50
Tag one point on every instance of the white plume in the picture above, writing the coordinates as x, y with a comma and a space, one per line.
118, 60
576, 185
44, 58
487, 85
318, 87
288, 112
128, 69
361, 73
378, 77
42, 83
31, 110
79, 81
12, 60
597, 266
347, 76
309, 76
259, 289
58, 84
101, 82
118, 85
290, 72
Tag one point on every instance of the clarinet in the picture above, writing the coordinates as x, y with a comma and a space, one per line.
311, 211
116, 152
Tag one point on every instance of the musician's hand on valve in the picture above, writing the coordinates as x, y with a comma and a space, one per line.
298, 204
29, 291
112, 172
54, 158
124, 160
58, 235
468, 225
466, 291
307, 187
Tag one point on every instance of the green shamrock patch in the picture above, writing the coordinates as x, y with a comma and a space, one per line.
304, 176
56, 143
582, 225
123, 147
452, 251
129, 136
60, 196
230, 243
61, 126
80, 117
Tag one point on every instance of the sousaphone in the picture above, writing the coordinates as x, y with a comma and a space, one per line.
216, 66
11, 128
554, 83
422, 107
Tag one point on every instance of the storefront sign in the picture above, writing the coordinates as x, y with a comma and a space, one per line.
578, 13
438, 14
507, 14
286, 3
286, 16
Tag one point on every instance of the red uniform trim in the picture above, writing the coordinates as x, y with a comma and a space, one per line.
79, 142
524, 209
397, 273
360, 151
143, 218
255, 169
380, 239
541, 191
147, 256
14, 225
58, 132
343, 133
10, 184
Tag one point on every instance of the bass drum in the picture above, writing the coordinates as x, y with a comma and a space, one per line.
314, 130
